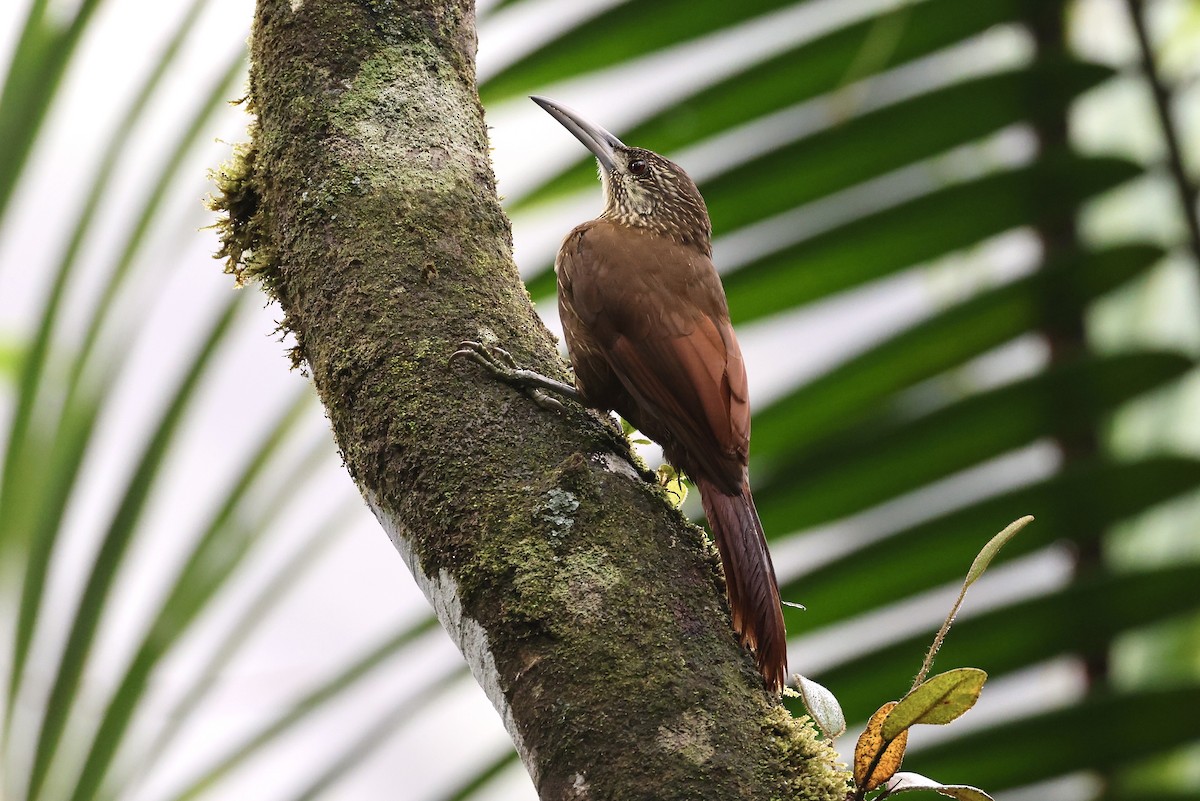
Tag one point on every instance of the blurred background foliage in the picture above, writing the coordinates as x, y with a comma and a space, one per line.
959, 240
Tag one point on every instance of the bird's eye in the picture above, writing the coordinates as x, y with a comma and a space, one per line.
638, 167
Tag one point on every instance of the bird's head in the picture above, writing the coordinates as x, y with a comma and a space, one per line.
641, 188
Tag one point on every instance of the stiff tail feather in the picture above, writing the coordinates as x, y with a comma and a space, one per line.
749, 579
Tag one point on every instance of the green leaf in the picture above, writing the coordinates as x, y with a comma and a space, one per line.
270, 596
944, 221
376, 733
822, 707
852, 152
939, 700
845, 395
884, 458
38, 475
40, 58
977, 567
21, 482
1103, 732
216, 554
1143, 794
933, 552
989, 551
908, 782
626, 31
481, 778
1080, 618
673, 483
326, 691
11, 355
796, 75
874, 246
112, 550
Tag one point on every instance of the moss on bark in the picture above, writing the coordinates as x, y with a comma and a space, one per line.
366, 206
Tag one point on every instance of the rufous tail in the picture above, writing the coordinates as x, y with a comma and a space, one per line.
749, 578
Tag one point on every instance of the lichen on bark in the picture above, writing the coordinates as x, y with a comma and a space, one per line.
589, 609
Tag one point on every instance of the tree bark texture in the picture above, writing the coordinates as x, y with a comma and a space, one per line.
590, 611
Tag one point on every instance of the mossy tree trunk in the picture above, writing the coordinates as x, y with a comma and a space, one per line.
589, 610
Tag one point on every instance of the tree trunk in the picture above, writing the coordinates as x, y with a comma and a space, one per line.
590, 611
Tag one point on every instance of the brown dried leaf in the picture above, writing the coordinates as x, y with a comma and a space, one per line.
876, 760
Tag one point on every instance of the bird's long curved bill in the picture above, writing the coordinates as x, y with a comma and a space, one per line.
594, 138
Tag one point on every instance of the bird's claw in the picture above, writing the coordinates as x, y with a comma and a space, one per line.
493, 358
500, 363
546, 401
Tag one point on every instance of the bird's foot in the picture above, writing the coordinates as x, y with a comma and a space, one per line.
495, 359
500, 364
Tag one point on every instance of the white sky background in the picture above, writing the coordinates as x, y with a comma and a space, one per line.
361, 590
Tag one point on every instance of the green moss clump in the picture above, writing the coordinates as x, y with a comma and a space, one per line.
241, 225
798, 743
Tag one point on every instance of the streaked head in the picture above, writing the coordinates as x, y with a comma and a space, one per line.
641, 188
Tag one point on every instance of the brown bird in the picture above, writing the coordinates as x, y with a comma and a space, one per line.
648, 333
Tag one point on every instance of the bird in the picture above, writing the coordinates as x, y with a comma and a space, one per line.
648, 335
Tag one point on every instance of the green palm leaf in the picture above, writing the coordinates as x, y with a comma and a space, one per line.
878, 147
43, 51
108, 559
936, 552
766, 87
35, 486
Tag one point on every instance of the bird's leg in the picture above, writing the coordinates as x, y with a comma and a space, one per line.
500, 364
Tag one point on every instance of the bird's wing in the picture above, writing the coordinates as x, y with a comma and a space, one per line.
660, 313
682, 386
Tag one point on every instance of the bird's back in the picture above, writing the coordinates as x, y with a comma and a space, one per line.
648, 332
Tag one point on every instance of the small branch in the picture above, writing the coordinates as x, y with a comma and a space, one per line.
1162, 105
939, 639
